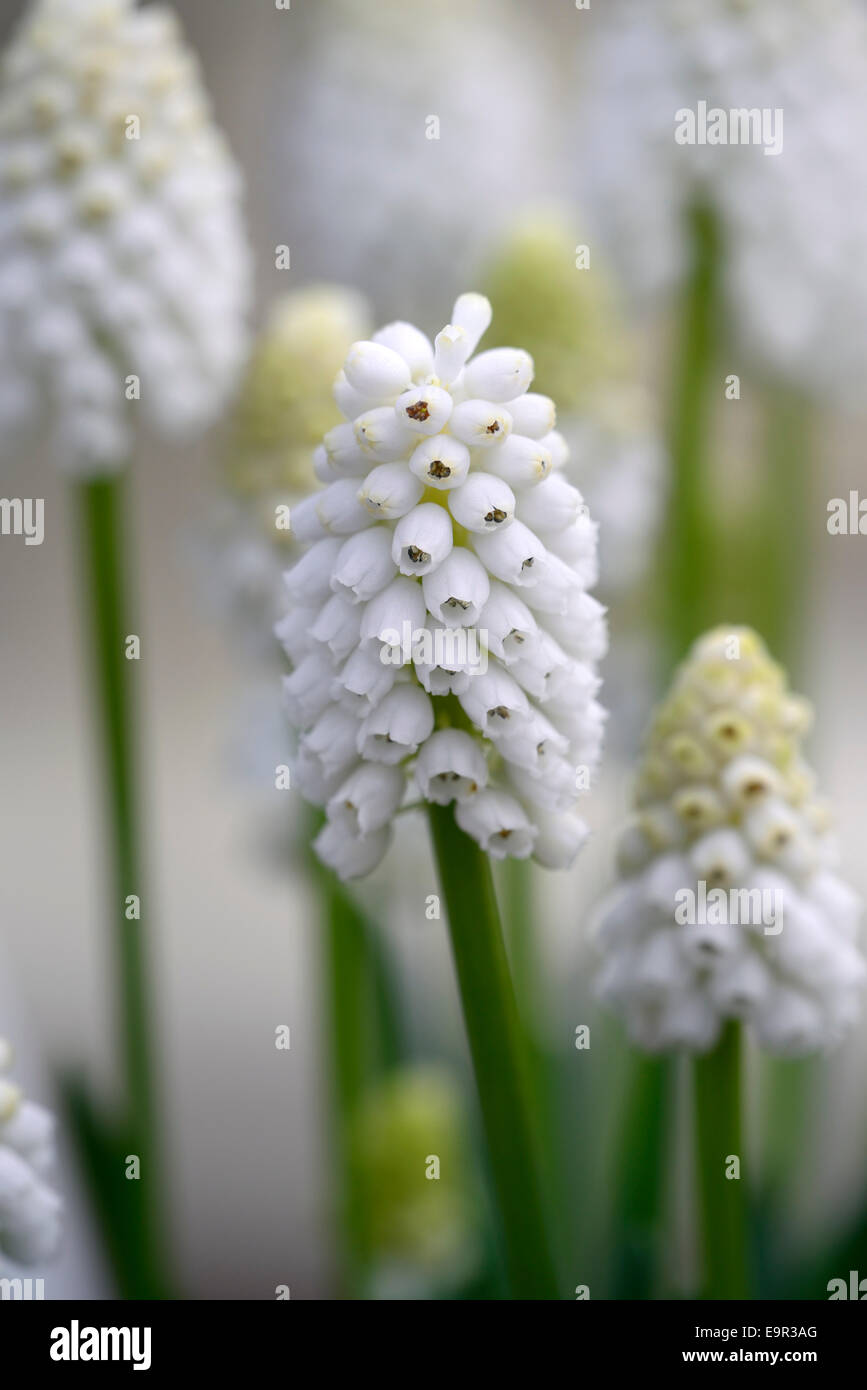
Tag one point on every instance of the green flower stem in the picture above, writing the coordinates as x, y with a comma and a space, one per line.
689, 562
366, 1039
781, 568
347, 1003
641, 1171
102, 535
719, 1138
497, 1051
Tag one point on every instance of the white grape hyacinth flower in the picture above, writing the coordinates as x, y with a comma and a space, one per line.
441, 647
124, 270
729, 905
787, 199
30, 1209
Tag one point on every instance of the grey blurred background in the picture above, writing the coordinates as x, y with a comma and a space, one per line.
234, 940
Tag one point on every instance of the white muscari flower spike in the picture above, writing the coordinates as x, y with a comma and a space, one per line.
428, 615
673, 90
729, 905
30, 1209
122, 250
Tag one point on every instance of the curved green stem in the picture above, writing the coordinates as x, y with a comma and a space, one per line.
491, 1019
719, 1140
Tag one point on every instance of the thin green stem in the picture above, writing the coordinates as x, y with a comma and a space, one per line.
689, 534
641, 1170
347, 1002
784, 549
496, 1047
719, 1142
366, 1040
114, 676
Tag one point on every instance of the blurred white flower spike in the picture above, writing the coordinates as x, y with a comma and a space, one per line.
124, 270
418, 534
729, 905
30, 1210
792, 226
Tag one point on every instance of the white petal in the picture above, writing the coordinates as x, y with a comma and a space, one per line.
339, 509
381, 435
452, 348
498, 823
368, 799
412, 345
532, 414
349, 856
456, 591
500, 374
472, 313
376, 371
398, 608
422, 539
424, 409
513, 555
450, 767
482, 503
440, 461
390, 491
480, 424
396, 727
519, 461
364, 565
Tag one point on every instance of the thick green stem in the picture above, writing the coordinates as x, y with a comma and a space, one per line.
496, 1047
641, 1177
114, 676
719, 1142
689, 534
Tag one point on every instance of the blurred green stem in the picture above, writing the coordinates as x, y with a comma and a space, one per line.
497, 1050
719, 1140
783, 548
641, 1176
104, 556
689, 535
366, 1037
346, 977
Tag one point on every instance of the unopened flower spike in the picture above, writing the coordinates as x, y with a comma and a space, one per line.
124, 274
286, 402
730, 905
30, 1209
422, 1216
435, 636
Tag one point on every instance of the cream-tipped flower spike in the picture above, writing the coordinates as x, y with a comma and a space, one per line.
432, 630
124, 272
29, 1209
729, 905
285, 402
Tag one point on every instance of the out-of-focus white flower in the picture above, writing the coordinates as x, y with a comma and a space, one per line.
447, 109
124, 274
29, 1208
729, 905
792, 223
396, 597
